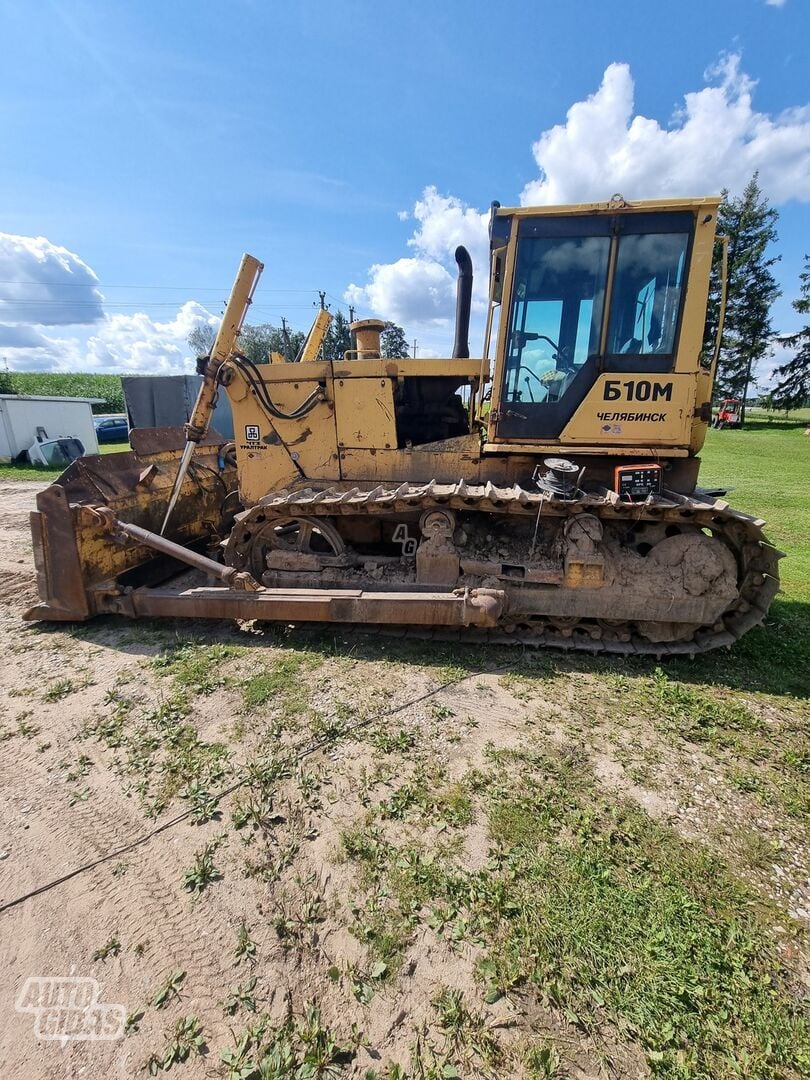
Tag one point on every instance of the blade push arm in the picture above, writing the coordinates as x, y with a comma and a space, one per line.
239, 301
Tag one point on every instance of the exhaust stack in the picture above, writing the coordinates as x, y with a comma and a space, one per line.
461, 346
367, 332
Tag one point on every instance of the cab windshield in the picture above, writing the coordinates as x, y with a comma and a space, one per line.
556, 319
558, 301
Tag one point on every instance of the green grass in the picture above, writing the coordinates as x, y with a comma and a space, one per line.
767, 464
589, 907
26, 471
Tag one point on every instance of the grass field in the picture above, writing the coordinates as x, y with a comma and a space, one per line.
766, 466
456, 861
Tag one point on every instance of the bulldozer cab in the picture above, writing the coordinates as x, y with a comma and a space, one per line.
585, 292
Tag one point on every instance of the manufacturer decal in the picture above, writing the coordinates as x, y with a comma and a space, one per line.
633, 417
252, 433
637, 390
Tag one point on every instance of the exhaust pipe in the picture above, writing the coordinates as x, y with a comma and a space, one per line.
461, 347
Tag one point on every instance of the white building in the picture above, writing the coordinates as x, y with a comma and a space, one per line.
24, 420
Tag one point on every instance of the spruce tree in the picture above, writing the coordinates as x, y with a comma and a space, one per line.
793, 388
393, 343
338, 337
750, 225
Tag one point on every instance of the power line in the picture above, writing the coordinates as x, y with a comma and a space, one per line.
175, 288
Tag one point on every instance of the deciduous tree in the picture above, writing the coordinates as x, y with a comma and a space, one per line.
255, 341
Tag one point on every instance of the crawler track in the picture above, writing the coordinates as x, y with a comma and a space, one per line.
757, 560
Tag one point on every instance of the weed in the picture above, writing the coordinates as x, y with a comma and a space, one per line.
245, 945
80, 769
698, 716
185, 1040
613, 914
202, 871
301, 1049
163, 754
169, 988
429, 794
606, 915
309, 783
112, 948
363, 984
203, 805
394, 742
757, 850
197, 668
24, 726
241, 997
59, 689
132, 1022
465, 1030
274, 866
253, 810
280, 685
542, 1062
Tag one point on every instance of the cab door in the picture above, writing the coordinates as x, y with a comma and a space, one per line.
557, 338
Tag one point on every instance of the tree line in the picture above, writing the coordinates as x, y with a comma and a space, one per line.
749, 223
258, 340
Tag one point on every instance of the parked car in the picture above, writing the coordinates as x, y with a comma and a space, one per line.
112, 429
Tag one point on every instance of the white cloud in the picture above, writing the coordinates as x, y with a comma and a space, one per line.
118, 343
420, 292
778, 355
44, 284
407, 291
444, 223
136, 343
715, 140
45, 287
775, 3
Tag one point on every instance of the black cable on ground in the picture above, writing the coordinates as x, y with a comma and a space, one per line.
296, 756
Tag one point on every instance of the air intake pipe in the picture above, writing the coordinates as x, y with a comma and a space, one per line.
461, 347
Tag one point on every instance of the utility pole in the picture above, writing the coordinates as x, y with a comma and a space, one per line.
351, 313
322, 298
414, 348
285, 336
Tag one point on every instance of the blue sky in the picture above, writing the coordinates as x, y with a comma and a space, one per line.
157, 141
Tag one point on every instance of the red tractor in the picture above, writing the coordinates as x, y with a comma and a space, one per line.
729, 414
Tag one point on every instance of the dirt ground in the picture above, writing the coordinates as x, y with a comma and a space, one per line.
76, 787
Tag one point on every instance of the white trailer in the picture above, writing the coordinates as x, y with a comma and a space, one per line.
25, 420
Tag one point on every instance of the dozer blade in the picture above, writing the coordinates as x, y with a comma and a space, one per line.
78, 566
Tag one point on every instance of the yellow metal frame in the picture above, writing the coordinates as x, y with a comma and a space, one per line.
682, 427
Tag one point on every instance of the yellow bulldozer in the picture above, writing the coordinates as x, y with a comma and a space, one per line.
544, 493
